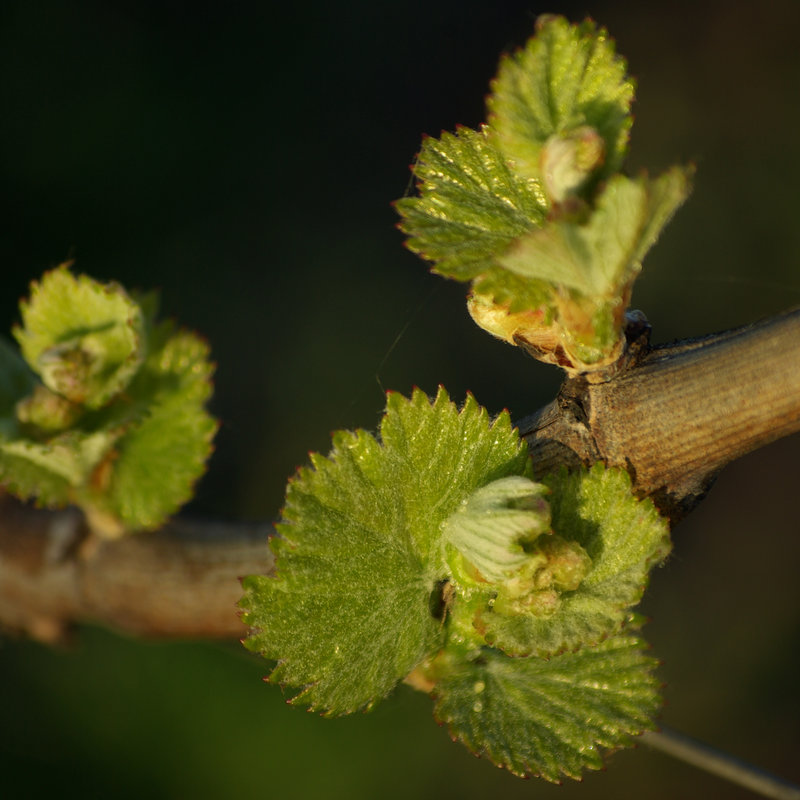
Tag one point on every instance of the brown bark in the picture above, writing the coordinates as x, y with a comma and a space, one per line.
675, 415
672, 415
181, 581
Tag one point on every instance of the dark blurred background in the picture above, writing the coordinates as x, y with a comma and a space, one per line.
242, 158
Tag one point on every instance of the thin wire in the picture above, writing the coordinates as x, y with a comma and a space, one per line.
721, 764
411, 318
411, 315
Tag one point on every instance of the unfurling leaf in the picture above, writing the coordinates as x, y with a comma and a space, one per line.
566, 79
84, 339
157, 460
622, 537
494, 522
594, 262
599, 257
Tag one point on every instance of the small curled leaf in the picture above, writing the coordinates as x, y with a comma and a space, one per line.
494, 522
566, 78
83, 338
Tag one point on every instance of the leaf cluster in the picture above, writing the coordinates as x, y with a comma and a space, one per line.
532, 209
428, 554
102, 407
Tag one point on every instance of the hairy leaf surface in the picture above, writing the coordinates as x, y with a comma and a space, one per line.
548, 718
471, 206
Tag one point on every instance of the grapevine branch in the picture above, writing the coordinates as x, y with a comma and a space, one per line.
179, 582
676, 414
673, 415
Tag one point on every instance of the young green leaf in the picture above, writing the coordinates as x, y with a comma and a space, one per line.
566, 78
429, 556
83, 338
548, 718
471, 206
590, 264
360, 556
52, 471
601, 256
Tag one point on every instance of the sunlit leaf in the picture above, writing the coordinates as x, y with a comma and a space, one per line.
353, 607
549, 718
566, 78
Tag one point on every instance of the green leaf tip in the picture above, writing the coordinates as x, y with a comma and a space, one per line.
532, 209
110, 412
567, 80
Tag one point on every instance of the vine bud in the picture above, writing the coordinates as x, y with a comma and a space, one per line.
555, 565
